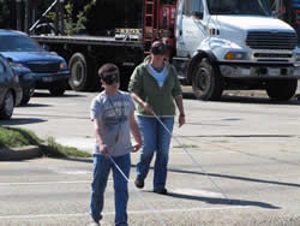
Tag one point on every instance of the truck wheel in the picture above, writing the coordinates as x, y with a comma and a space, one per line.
281, 89
207, 81
79, 72
7, 107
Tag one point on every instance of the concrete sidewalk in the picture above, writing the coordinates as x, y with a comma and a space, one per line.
18, 154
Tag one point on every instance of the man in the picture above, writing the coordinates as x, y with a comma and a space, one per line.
112, 112
155, 87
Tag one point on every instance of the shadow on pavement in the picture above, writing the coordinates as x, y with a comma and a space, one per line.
223, 201
20, 121
247, 99
236, 178
43, 93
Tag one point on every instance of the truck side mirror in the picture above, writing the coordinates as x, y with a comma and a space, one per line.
198, 15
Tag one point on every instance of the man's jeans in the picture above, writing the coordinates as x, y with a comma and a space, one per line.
155, 138
102, 166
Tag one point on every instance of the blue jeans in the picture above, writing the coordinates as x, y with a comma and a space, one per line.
155, 138
102, 166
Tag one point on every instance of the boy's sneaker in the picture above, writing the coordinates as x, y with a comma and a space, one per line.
139, 183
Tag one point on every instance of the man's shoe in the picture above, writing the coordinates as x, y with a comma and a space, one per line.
139, 183
161, 191
93, 223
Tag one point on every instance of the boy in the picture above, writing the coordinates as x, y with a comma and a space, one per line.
112, 112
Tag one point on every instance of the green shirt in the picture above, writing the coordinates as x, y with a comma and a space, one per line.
146, 87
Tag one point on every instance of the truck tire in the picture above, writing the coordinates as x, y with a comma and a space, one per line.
207, 81
281, 89
79, 72
7, 107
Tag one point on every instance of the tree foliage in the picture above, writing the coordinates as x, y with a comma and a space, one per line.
74, 13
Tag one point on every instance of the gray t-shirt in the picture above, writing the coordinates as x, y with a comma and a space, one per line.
114, 112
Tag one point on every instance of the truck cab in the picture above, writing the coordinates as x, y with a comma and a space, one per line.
233, 44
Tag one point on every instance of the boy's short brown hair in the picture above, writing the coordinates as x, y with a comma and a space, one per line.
107, 69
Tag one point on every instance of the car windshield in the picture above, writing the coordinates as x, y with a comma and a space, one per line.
18, 44
239, 7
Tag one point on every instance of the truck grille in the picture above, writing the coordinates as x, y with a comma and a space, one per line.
44, 67
271, 40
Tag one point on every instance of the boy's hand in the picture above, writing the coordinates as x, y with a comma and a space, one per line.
136, 147
103, 149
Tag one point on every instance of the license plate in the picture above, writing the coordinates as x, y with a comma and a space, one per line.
274, 71
47, 79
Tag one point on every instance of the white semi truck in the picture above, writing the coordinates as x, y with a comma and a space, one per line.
215, 45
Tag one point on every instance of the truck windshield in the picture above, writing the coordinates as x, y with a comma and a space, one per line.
18, 44
238, 7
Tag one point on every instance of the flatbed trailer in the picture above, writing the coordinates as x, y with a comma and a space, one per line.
104, 41
85, 54
88, 40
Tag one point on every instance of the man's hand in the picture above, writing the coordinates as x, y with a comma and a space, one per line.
181, 120
147, 107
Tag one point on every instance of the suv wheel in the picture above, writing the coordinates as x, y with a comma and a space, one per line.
57, 91
26, 96
7, 107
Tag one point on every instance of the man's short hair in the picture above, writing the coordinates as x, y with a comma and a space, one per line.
158, 48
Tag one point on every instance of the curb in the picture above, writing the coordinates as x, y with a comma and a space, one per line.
18, 154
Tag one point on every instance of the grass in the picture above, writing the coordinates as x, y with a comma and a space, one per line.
58, 150
19, 137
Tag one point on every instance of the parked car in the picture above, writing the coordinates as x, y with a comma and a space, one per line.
49, 69
10, 89
27, 81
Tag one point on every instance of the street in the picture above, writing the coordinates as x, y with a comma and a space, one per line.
236, 162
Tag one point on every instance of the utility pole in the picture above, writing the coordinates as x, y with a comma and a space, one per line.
19, 15
62, 22
26, 15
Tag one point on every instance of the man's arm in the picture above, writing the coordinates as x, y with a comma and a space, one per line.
179, 103
142, 103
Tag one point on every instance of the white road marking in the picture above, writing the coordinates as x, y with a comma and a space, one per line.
72, 172
9, 217
46, 183
197, 192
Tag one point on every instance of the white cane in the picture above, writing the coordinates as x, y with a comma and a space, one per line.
192, 158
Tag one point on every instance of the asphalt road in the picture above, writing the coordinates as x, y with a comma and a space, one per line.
235, 163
